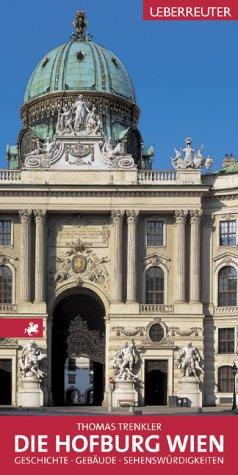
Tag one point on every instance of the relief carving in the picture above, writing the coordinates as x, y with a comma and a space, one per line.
80, 263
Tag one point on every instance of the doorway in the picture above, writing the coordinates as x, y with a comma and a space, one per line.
78, 337
5, 382
156, 382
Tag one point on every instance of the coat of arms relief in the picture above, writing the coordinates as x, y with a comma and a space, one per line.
79, 262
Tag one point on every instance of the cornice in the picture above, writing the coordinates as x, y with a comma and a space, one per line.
96, 193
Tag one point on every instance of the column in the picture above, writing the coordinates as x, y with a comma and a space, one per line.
116, 251
26, 278
195, 256
40, 216
132, 217
180, 244
206, 271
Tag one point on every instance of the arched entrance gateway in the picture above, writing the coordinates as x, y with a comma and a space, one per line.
78, 349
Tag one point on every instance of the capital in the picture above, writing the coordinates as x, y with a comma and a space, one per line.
132, 216
195, 216
117, 215
25, 215
40, 215
180, 216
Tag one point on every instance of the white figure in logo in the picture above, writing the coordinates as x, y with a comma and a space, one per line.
32, 329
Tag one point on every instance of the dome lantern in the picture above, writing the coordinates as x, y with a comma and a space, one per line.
80, 24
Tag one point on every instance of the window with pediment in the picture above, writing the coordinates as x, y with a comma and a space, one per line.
228, 233
154, 285
227, 287
5, 232
225, 379
5, 285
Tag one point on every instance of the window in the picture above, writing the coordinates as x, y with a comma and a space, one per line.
71, 379
154, 286
225, 379
80, 56
71, 364
227, 287
5, 285
156, 332
5, 232
227, 233
154, 233
226, 340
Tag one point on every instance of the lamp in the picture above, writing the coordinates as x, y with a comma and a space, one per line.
234, 372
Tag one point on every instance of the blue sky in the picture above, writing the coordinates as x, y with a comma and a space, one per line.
184, 73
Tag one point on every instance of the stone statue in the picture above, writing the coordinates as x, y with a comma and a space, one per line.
189, 152
93, 123
81, 111
208, 162
189, 361
125, 361
191, 159
65, 121
42, 148
111, 151
29, 359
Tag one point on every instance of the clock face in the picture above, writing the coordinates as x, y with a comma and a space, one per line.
79, 264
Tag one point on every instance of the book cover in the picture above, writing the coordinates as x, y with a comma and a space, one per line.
118, 236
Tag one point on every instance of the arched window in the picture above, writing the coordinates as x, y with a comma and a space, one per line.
154, 286
5, 285
225, 379
227, 287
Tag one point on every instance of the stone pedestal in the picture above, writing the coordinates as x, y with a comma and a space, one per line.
30, 395
124, 394
189, 388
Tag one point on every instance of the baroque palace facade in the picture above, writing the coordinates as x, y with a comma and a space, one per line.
105, 249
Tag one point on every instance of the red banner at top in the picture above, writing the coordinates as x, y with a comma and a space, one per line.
190, 10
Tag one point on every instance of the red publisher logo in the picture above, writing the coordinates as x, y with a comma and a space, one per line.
187, 10
21, 327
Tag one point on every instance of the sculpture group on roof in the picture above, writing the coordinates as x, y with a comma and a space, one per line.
79, 118
191, 158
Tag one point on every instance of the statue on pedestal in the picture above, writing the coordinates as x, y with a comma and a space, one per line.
189, 361
125, 361
29, 359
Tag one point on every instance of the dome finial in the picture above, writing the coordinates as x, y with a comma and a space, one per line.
80, 24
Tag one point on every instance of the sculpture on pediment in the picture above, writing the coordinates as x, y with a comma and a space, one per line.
43, 155
81, 110
66, 120
93, 123
189, 361
111, 151
30, 359
78, 119
126, 361
191, 159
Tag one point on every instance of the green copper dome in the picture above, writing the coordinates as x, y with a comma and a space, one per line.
80, 65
